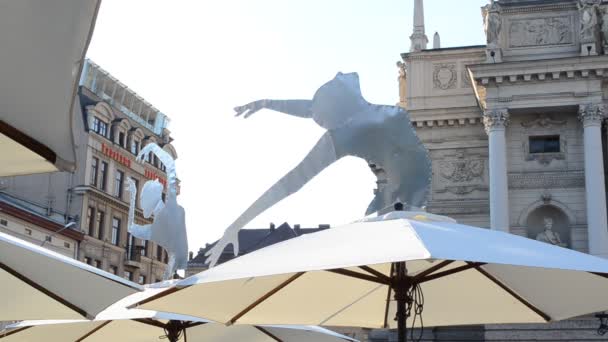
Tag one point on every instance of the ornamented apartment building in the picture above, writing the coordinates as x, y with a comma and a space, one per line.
112, 124
515, 130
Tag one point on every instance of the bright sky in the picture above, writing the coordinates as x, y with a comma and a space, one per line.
196, 60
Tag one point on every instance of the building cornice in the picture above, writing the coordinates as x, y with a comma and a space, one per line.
539, 70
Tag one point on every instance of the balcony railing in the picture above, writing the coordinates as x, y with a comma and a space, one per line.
133, 253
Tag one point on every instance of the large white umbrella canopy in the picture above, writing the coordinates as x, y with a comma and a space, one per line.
348, 276
120, 324
40, 284
43, 46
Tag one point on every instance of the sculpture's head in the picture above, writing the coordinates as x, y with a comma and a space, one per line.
548, 222
338, 100
151, 197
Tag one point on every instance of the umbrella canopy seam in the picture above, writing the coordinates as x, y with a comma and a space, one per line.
267, 333
8, 333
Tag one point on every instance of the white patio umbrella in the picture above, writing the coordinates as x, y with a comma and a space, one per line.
367, 274
40, 284
120, 324
43, 48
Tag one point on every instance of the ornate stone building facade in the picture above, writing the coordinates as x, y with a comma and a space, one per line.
112, 124
515, 129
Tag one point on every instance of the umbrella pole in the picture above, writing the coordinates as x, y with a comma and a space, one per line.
401, 286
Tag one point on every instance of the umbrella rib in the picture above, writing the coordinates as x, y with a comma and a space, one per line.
450, 271
265, 296
376, 273
268, 333
432, 269
14, 331
93, 331
358, 275
40, 288
27, 141
151, 322
388, 298
157, 296
544, 316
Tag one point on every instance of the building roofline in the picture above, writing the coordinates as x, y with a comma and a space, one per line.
38, 220
467, 47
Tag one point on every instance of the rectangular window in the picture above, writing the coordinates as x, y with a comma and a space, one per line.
544, 144
66, 244
129, 275
98, 264
115, 231
28, 231
119, 179
88, 260
48, 238
144, 250
134, 146
142, 279
100, 127
136, 181
94, 167
113, 269
91, 221
100, 224
121, 139
3, 222
104, 175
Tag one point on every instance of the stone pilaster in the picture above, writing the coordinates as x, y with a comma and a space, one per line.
591, 115
495, 122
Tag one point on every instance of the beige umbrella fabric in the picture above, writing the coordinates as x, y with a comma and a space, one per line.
40, 284
117, 323
43, 48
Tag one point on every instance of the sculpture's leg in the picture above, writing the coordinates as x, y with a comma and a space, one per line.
170, 270
322, 155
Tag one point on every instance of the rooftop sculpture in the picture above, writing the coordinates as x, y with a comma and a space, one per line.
381, 135
169, 227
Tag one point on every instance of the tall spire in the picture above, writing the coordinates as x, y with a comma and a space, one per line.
418, 38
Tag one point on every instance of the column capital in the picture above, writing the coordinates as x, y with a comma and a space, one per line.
495, 118
591, 114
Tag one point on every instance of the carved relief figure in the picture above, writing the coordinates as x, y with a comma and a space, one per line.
543, 120
169, 227
491, 23
381, 135
604, 27
540, 31
461, 174
588, 10
548, 235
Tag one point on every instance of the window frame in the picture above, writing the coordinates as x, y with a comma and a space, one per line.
116, 227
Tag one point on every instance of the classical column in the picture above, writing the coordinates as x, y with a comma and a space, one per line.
495, 121
591, 116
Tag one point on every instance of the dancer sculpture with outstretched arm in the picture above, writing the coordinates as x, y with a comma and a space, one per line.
382, 135
169, 227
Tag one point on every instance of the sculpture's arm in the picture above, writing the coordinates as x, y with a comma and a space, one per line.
139, 231
321, 156
299, 108
167, 160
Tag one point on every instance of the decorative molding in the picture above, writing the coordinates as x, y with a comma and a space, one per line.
418, 123
466, 78
543, 121
591, 114
495, 118
541, 31
546, 180
541, 8
461, 173
444, 76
